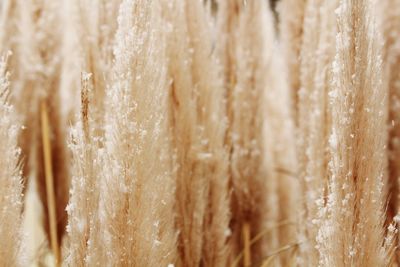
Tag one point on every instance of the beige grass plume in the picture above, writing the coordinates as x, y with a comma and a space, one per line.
350, 235
317, 54
36, 81
311, 124
281, 130
389, 13
85, 186
10, 178
137, 181
198, 123
291, 29
90, 28
245, 45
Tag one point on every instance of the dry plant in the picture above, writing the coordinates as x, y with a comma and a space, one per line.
199, 132
11, 253
84, 194
32, 37
389, 12
87, 46
349, 235
314, 122
199, 126
246, 46
136, 228
291, 27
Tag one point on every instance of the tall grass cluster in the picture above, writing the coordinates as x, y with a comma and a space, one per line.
200, 133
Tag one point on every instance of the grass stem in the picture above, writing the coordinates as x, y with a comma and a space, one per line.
51, 206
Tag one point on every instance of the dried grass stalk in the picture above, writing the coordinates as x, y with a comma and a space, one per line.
350, 235
37, 79
199, 125
10, 178
84, 194
282, 132
389, 13
291, 30
137, 181
245, 45
87, 44
314, 122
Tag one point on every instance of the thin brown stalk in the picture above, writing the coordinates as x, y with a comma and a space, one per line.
37, 78
246, 245
271, 256
258, 237
49, 182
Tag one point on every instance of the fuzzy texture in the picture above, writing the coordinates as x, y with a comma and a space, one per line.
199, 125
84, 194
8, 23
10, 178
311, 125
389, 12
245, 47
349, 235
136, 227
87, 46
192, 122
317, 54
36, 80
282, 132
291, 30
